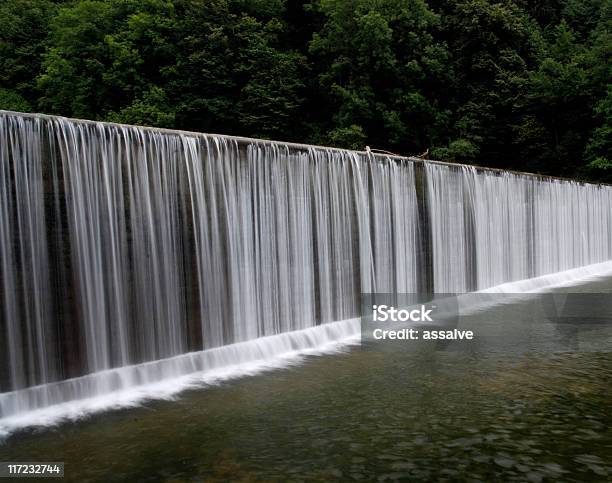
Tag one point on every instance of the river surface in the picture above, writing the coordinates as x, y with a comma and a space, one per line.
525, 401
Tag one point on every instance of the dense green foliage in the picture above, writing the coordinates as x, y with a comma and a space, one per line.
512, 84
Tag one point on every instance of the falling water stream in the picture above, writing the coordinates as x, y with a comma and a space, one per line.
131, 256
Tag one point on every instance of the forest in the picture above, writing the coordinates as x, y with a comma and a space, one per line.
524, 85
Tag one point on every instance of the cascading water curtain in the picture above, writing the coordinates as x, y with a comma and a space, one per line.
489, 227
121, 245
131, 255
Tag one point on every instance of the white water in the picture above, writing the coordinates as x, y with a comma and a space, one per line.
135, 262
166, 379
491, 228
129, 386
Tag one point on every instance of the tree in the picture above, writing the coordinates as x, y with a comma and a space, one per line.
23, 33
378, 70
567, 98
493, 48
507, 83
233, 73
105, 55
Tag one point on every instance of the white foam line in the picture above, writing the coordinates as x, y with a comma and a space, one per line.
478, 302
571, 277
164, 380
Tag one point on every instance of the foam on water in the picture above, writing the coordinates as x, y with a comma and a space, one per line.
164, 379
268, 353
566, 278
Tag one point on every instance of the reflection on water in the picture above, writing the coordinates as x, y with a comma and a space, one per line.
522, 402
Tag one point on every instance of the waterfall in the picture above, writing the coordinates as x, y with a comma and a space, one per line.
131, 255
492, 227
